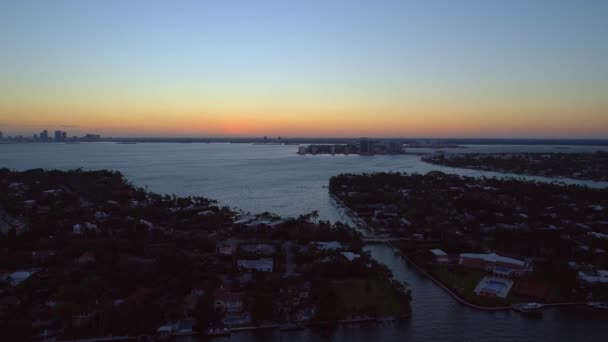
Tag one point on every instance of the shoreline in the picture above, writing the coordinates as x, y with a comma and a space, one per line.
445, 288
456, 296
235, 330
360, 224
554, 178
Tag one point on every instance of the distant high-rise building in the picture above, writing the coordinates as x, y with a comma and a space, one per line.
64, 136
44, 135
1, 136
57, 135
394, 147
366, 146
92, 137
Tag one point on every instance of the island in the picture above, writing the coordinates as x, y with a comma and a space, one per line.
364, 146
86, 254
490, 242
584, 166
434, 144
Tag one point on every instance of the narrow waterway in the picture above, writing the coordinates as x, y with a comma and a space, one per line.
436, 316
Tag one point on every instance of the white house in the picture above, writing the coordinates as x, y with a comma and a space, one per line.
17, 277
497, 264
440, 256
331, 245
350, 255
260, 265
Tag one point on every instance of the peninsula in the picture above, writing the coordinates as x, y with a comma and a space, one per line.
85, 254
494, 242
585, 166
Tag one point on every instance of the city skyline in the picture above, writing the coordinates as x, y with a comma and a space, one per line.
322, 69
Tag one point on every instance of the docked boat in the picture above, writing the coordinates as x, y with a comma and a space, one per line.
598, 305
528, 307
217, 332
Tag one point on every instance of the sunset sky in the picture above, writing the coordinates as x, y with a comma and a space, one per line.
305, 68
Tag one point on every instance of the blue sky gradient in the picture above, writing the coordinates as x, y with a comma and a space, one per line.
82, 62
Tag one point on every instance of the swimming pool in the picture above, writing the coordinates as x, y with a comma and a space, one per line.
490, 286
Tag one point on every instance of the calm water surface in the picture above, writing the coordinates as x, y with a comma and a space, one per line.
253, 178
274, 178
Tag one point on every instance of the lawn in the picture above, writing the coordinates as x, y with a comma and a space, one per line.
368, 297
463, 281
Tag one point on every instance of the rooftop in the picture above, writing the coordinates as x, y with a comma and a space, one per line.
438, 252
493, 257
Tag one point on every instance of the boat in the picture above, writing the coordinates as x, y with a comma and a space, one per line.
217, 332
528, 307
598, 305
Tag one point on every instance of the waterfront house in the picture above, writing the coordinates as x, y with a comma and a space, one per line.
29, 204
226, 301
598, 235
227, 248
439, 256
146, 224
328, 246
205, 213
404, 223
165, 331
497, 264
16, 186
197, 291
17, 277
244, 219
350, 255
78, 228
263, 249
596, 277
237, 318
101, 216
260, 265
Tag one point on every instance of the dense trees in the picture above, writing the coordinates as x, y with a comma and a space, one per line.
592, 166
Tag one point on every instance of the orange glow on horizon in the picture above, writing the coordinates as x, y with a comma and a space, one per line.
313, 119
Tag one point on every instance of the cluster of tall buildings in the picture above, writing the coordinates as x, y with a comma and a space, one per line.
364, 146
369, 147
59, 136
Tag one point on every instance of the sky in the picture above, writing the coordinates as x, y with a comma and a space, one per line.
521, 69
